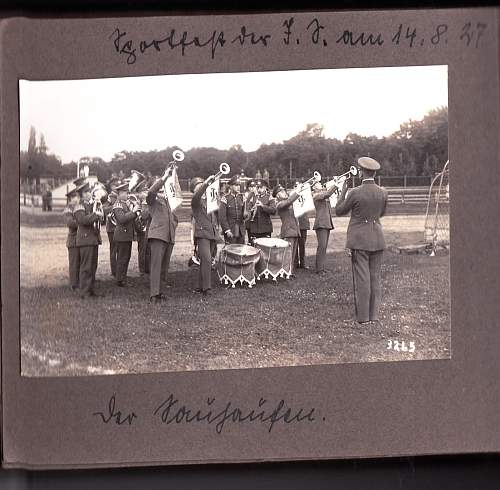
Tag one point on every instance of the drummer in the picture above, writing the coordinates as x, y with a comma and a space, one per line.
205, 232
231, 213
264, 207
290, 230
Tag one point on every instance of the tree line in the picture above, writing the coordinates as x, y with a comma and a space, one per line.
418, 148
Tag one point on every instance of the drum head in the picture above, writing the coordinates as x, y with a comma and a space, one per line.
240, 249
271, 242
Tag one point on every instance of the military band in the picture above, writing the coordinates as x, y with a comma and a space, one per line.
146, 216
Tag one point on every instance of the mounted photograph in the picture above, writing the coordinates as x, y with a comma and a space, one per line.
234, 220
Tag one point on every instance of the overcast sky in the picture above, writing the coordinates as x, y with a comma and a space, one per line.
98, 118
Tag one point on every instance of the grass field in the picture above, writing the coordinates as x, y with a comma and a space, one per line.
303, 321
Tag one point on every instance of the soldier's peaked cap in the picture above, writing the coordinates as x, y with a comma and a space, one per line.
71, 193
235, 179
368, 163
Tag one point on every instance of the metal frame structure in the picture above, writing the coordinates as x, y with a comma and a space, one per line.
437, 216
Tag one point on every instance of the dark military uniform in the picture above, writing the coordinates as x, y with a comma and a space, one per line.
73, 250
290, 230
88, 239
161, 238
323, 224
141, 228
365, 237
123, 237
231, 217
205, 235
110, 230
261, 224
304, 226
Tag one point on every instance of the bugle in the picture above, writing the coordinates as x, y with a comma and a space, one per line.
313, 180
224, 169
352, 172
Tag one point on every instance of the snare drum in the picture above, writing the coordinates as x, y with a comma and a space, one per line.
275, 258
237, 264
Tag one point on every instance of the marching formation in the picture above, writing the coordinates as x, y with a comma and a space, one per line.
142, 210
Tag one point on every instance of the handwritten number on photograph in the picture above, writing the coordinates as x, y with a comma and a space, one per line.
401, 345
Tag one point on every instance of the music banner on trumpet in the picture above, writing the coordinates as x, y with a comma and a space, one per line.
212, 194
173, 190
305, 201
336, 182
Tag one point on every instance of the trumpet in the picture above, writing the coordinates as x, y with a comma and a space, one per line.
353, 171
224, 169
310, 182
178, 156
135, 204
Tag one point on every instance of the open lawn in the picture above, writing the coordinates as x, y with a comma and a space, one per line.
307, 320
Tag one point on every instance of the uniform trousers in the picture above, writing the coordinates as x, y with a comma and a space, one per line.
112, 252
323, 235
74, 266
293, 241
206, 250
142, 243
366, 283
301, 253
88, 268
123, 252
160, 260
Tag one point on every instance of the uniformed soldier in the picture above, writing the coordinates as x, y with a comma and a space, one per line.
304, 226
161, 237
231, 213
290, 230
141, 228
323, 223
88, 238
250, 198
110, 229
260, 215
73, 250
125, 215
205, 233
365, 237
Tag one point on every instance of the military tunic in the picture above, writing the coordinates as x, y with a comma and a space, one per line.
367, 204
261, 225
323, 224
110, 230
290, 230
88, 239
161, 238
205, 235
231, 217
73, 250
123, 236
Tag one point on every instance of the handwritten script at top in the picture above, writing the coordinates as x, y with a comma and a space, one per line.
292, 32
211, 413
